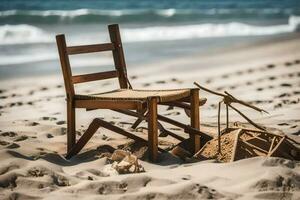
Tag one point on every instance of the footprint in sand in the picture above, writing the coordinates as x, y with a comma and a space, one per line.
21, 138
31, 92
288, 64
225, 76
43, 88
284, 95
283, 124
146, 84
296, 92
290, 75
250, 71
48, 118
208, 81
285, 85
49, 135
133, 77
220, 88
297, 61
239, 72
259, 89
160, 82
270, 66
3, 143
32, 123
13, 146
30, 103
61, 122
271, 78
9, 134
3, 97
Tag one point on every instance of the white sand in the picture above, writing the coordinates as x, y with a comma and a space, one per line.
33, 139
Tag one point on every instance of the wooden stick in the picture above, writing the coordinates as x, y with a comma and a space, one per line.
235, 146
227, 117
93, 127
219, 128
235, 100
249, 120
255, 147
208, 90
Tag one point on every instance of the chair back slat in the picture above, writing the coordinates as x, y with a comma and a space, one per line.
90, 48
94, 76
65, 65
118, 55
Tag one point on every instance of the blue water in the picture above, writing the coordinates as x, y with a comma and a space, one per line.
151, 30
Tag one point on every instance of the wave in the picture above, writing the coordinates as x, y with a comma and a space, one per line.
134, 15
24, 33
206, 31
20, 34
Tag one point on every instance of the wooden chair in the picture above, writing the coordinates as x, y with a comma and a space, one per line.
123, 100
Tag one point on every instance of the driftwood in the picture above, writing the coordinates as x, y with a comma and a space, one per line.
228, 99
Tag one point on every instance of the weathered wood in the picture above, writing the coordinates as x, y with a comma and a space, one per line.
256, 147
195, 119
139, 120
219, 127
65, 65
107, 104
93, 127
235, 145
71, 125
248, 120
118, 55
276, 147
94, 76
124, 106
152, 129
227, 117
187, 129
90, 48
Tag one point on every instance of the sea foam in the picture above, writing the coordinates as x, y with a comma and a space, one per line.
19, 34
23, 33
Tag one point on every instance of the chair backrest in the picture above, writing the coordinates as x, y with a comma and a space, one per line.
115, 46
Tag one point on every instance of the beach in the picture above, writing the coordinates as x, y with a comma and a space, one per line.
33, 131
250, 49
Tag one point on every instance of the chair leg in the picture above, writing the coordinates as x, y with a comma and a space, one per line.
71, 130
195, 121
152, 129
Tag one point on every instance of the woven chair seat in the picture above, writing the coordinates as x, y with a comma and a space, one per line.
138, 95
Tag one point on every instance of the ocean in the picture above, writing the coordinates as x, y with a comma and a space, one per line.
151, 30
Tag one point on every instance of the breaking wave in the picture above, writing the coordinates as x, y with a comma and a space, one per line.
141, 15
19, 34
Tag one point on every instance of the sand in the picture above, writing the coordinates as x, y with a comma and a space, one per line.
33, 132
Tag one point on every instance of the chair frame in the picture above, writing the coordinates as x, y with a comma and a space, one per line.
145, 110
